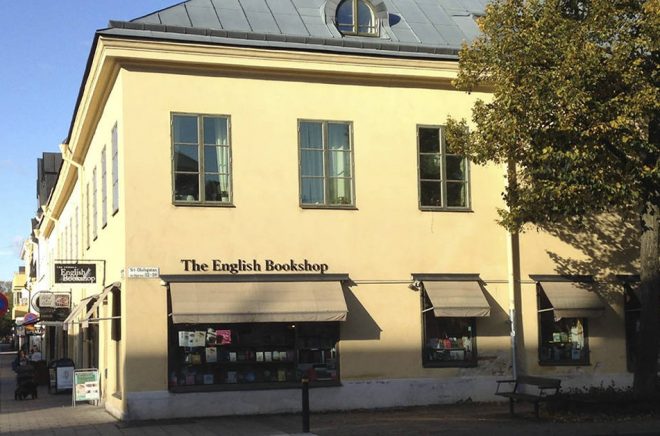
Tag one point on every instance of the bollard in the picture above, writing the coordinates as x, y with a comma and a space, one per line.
305, 405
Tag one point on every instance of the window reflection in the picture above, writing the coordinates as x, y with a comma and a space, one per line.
356, 17
209, 158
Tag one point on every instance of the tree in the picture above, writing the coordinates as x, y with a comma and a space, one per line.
574, 114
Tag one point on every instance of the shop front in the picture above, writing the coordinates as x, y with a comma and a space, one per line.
254, 332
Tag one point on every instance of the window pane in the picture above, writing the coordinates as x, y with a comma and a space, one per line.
429, 140
185, 129
338, 136
345, 16
311, 135
216, 159
312, 163
216, 187
366, 21
431, 194
186, 187
456, 194
215, 131
429, 166
340, 164
339, 191
448, 339
312, 191
186, 158
456, 168
562, 340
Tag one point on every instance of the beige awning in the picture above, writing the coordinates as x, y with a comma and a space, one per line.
208, 302
573, 300
457, 298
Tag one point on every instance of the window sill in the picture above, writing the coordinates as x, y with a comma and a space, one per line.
332, 207
446, 209
449, 364
249, 387
564, 363
191, 204
117, 395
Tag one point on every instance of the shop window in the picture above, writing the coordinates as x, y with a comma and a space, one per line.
256, 355
561, 341
356, 17
448, 341
443, 174
201, 159
326, 163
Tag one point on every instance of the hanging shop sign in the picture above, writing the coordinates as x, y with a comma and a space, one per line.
75, 273
53, 306
254, 266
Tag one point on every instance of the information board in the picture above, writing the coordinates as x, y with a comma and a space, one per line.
86, 386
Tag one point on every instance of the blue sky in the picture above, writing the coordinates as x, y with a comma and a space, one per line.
44, 45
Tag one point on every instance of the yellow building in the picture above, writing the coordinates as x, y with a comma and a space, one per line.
19, 295
254, 192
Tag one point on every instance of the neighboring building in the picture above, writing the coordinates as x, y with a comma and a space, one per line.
19, 295
254, 191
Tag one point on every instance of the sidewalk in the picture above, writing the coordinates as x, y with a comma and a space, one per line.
53, 415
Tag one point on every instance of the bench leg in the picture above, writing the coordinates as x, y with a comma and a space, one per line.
536, 409
511, 406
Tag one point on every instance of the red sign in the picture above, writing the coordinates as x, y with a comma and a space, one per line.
4, 304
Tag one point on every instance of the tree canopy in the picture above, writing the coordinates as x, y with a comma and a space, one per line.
575, 100
574, 115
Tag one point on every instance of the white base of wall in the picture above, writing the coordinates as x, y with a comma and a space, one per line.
351, 395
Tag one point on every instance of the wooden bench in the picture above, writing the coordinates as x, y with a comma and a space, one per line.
530, 389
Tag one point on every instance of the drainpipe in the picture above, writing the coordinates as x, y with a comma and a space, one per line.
511, 252
513, 266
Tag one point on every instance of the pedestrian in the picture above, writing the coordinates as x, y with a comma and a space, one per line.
21, 360
36, 354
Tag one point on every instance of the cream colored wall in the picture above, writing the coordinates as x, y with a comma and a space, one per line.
601, 250
387, 238
107, 249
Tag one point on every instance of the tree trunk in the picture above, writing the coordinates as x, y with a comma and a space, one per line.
647, 344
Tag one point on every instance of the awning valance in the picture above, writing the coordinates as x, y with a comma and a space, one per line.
573, 299
457, 298
232, 302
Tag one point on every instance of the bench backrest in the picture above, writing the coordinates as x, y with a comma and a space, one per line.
540, 382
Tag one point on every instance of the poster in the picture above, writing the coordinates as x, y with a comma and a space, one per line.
86, 385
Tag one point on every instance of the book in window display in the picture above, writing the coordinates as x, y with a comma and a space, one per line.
211, 354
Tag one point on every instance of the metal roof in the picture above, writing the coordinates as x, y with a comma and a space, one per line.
408, 28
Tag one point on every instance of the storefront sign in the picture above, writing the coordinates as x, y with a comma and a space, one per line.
72, 273
53, 306
143, 272
86, 385
242, 265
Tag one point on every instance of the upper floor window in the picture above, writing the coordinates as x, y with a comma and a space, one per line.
202, 161
443, 175
115, 170
104, 189
356, 17
326, 163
